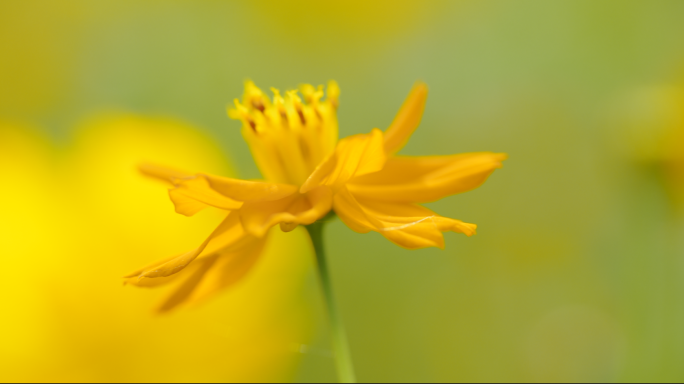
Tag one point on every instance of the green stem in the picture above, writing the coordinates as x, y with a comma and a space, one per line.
343, 361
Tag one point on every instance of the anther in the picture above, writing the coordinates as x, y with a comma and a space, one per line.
258, 104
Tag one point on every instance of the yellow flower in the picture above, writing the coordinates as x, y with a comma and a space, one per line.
309, 173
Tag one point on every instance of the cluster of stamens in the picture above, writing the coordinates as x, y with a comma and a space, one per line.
289, 135
258, 111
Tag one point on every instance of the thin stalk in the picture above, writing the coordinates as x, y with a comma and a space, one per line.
343, 361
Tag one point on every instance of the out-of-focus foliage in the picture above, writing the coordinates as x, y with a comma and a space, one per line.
576, 271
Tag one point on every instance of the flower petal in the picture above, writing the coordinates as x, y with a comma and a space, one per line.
354, 156
249, 191
193, 194
304, 209
186, 289
228, 235
350, 211
207, 275
407, 225
229, 269
133, 278
160, 172
424, 179
407, 119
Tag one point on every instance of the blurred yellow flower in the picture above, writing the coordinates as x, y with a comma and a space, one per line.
309, 173
673, 149
68, 213
654, 122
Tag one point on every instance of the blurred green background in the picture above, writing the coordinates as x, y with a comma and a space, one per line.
577, 271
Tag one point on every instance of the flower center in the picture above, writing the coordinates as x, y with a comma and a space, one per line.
288, 136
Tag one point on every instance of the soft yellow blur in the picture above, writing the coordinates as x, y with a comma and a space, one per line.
651, 120
77, 218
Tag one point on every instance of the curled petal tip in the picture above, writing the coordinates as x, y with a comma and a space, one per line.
469, 229
288, 227
166, 174
498, 159
420, 86
131, 275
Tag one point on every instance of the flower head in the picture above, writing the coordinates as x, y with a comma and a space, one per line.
308, 173
289, 137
